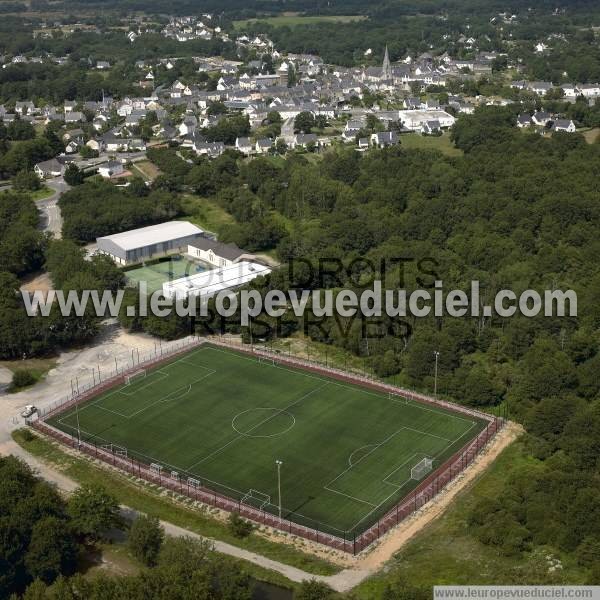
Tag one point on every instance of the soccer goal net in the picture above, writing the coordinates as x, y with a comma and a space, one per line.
397, 397
134, 376
421, 469
156, 468
114, 449
267, 360
256, 498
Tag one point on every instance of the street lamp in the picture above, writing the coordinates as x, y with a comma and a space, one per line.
279, 463
437, 355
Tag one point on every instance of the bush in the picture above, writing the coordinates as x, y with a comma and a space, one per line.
22, 379
27, 435
314, 590
239, 527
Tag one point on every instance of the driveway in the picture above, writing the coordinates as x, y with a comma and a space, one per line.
287, 130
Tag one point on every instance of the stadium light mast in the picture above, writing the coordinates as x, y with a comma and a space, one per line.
78, 427
437, 355
279, 463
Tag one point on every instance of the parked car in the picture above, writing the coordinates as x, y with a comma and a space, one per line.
29, 410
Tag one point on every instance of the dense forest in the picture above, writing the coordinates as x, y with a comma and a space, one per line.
22, 336
85, 218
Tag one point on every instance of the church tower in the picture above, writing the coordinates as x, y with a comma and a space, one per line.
386, 70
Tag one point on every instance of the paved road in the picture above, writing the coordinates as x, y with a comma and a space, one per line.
51, 219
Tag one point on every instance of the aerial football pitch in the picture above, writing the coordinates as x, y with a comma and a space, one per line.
224, 418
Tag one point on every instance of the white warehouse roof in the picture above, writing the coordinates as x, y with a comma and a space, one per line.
153, 234
210, 283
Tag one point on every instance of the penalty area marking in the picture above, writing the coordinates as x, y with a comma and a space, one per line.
350, 463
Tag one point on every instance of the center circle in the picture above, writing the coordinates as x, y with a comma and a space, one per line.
263, 422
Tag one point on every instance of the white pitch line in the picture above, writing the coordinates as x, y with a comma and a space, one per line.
400, 487
349, 496
279, 411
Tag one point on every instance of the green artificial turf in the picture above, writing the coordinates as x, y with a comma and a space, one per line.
154, 274
225, 418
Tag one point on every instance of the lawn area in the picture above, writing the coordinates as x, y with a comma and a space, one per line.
292, 20
41, 194
592, 136
205, 213
145, 169
446, 552
422, 142
152, 500
224, 418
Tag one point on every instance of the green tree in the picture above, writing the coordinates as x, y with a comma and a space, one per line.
26, 181
52, 550
73, 175
304, 122
20, 130
145, 539
93, 511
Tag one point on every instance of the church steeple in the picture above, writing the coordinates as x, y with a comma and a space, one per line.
386, 70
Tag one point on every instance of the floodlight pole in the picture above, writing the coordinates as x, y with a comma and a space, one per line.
78, 428
279, 463
437, 355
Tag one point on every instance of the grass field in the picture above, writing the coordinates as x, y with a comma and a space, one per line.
293, 20
427, 142
224, 418
205, 213
146, 169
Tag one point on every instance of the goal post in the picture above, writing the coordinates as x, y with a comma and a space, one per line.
259, 498
120, 451
396, 397
140, 374
267, 360
156, 468
422, 468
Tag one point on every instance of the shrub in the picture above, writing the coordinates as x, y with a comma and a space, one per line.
22, 379
239, 527
27, 435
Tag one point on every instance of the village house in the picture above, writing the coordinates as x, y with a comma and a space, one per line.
217, 253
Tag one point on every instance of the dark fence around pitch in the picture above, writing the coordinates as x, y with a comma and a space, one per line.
222, 497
